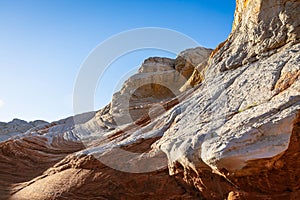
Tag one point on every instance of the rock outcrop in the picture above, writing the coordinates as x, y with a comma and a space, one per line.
18, 126
157, 80
260, 29
228, 128
245, 127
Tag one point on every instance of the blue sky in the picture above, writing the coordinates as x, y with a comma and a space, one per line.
44, 43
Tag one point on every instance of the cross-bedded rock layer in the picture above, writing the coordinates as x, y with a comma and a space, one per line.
228, 127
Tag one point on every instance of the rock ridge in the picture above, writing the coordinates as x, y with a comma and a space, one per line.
229, 130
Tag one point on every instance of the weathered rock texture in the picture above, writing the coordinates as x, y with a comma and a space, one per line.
259, 30
233, 135
158, 80
18, 126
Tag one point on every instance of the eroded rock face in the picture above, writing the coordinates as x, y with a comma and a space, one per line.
248, 111
18, 126
259, 30
244, 127
157, 80
234, 136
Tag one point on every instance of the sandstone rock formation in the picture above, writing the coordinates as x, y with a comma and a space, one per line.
18, 126
233, 135
157, 80
260, 29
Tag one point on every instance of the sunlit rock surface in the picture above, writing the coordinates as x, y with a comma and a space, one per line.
229, 129
157, 80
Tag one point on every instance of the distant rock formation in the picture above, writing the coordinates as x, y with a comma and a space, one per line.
223, 128
18, 126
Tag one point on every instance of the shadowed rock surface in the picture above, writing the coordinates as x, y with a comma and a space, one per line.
17, 126
229, 129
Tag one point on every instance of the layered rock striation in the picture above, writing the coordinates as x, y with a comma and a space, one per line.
17, 126
223, 128
260, 29
158, 80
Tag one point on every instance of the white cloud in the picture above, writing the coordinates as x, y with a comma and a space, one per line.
1, 103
